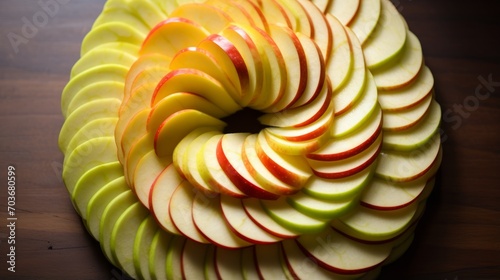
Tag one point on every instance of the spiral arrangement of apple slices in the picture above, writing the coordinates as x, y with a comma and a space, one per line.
332, 188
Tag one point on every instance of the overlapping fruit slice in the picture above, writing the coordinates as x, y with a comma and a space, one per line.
332, 186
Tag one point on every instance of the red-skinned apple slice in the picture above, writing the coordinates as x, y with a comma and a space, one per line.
356, 257
146, 172
303, 19
349, 166
178, 125
181, 211
163, 188
210, 17
241, 224
248, 264
352, 143
409, 95
276, 14
208, 218
254, 11
228, 264
259, 171
408, 166
405, 119
295, 148
388, 38
229, 156
192, 259
366, 19
322, 33
403, 70
172, 35
292, 170
148, 63
345, 11
254, 210
339, 62
234, 10
268, 262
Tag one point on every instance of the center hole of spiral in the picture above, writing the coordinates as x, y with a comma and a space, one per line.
245, 120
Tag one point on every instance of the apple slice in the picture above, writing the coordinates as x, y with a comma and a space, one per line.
407, 96
356, 257
91, 182
100, 200
171, 266
94, 91
339, 189
321, 4
181, 150
303, 19
408, 166
192, 258
292, 170
209, 266
248, 264
268, 262
116, 207
349, 166
282, 212
276, 14
123, 237
195, 81
360, 112
255, 211
111, 32
405, 119
157, 254
208, 16
208, 219
297, 147
229, 156
228, 263
133, 130
172, 35
255, 12
163, 188
322, 34
181, 211
366, 19
120, 12
258, 170
212, 172
339, 61
83, 158
345, 11
178, 125
417, 135
403, 70
146, 172
141, 147
102, 56
388, 38
320, 208
241, 224
147, 12
97, 128
352, 143
142, 245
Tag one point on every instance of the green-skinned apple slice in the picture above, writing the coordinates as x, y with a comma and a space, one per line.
282, 212
94, 91
163, 188
97, 74
338, 189
120, 14
114, 209
97, 204
123, 237
352, 143
366, 19
228, 263
417, 135
356, 257
239, 221
345, 11
409, 95
101, 56
255, 211
299, 147
388, 38
142, 245
339, 62
405, 119
88, 155
320, 208
404, 69
91, 182
209, 220
192, 259
148, 12
93, 129
181, 211
349, 166
268, 262
146, 172
112, 32
171, 266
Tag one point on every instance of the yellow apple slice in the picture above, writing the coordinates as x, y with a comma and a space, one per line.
120, 13
253, 9
339, 62
101, 56
141, 147
254, 210
296, 147
172, 35
210, 17
178, 125
163, 188
180, 151
322, 33
276, 14
234, 11
133, 131
146, 173
345, 11
94, 91
405, 119
404, 69
111, 32
388, 38
366, 19
303, 20
147, 12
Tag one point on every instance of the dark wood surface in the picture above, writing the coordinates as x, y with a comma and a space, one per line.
458, 238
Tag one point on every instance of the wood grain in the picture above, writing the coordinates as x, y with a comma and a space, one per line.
458, 237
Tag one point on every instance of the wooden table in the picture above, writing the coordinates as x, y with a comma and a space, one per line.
458, 238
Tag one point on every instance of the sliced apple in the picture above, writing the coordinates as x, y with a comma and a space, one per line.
254, 210
142, 245
366, 19
133, 131
96, 128
322, 34
149, 12
228, 263
405, 119
192, 258
172, 35
141, 147
268, 262
101, 56
94, 91
276, 14
320, 208
302, 18
339, 62
146, 172
181, 150
248, 264
297, 147
111, 32
345, 11
208, 16
170, 267
120, 12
